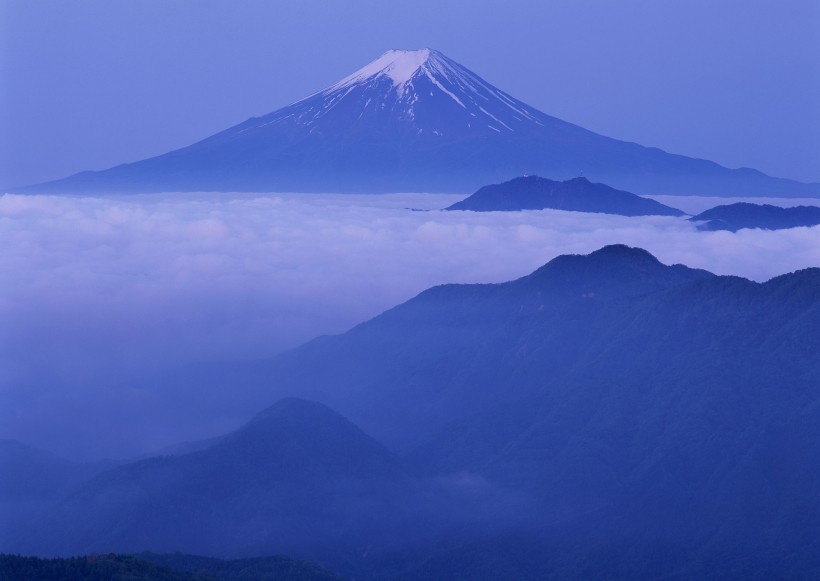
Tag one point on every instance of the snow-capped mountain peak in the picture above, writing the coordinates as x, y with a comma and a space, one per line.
417, 92
415, 120
398, 65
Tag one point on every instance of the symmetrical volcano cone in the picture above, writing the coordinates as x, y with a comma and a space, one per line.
416, 121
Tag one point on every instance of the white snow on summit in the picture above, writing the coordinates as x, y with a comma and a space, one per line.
399, 65
396, 84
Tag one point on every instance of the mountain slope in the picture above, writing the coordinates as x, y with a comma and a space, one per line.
646, 409
610, 416
415, 121
575, 195
459, 347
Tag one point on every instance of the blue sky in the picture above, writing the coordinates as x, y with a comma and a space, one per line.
89, 84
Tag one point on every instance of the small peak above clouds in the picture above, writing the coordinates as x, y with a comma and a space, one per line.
625, 252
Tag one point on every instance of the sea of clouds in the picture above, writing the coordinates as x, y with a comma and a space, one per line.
96, 290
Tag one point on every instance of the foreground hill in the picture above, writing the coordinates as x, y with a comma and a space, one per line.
734, 217
415, 121
607, 416
576, 195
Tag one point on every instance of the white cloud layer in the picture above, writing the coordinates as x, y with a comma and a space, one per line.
94, 290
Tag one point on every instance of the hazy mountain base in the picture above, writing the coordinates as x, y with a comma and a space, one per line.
606, 416
32, 480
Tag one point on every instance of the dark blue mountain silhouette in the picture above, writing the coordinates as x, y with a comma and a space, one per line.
576, 195
608, 415
734, 217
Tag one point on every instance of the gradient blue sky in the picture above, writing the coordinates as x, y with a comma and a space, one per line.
88, 84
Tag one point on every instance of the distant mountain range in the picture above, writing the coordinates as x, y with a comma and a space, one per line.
577, 195
416, 121
734, 217
607, 416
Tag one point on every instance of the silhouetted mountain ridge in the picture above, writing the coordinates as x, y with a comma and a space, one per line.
575, 195
612, 271
734, 217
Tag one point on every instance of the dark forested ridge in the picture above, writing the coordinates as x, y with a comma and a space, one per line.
107, 567
607, 416
276, 568
159, 567
575, 195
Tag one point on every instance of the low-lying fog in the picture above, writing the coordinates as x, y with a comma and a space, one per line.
94, 291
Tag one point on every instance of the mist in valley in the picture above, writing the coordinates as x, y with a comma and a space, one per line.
114, 306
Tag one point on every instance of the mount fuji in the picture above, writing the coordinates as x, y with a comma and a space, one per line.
415, 121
